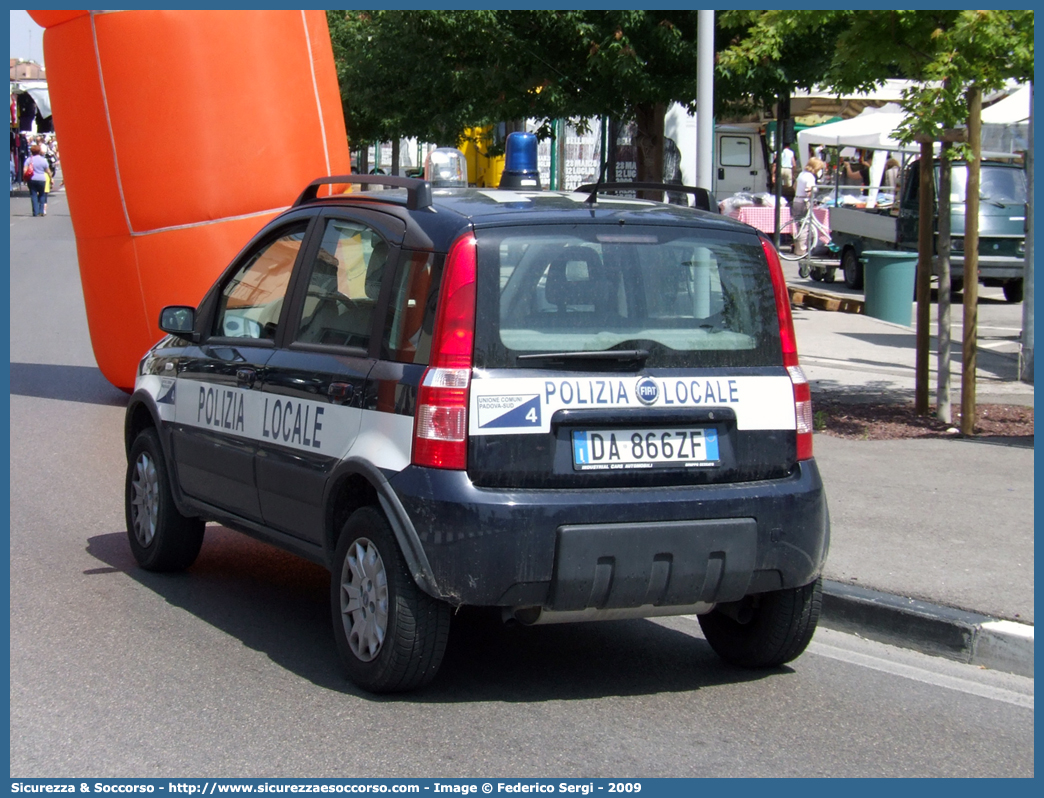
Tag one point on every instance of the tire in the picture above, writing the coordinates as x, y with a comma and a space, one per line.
1013, 290
777, 627
956, 285
391, 636
792, 229
852, 269
824, 274
161, 538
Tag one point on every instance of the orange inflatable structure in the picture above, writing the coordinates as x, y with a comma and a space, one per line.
182, 133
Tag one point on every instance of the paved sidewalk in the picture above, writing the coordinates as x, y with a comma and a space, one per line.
947, 523
864, 358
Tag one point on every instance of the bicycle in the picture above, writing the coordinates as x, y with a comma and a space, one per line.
805, 235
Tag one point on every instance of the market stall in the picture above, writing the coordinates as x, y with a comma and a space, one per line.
763, 217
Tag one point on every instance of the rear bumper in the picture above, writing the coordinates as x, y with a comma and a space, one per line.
573, 549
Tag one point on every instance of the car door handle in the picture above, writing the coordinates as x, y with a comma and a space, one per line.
340, 392
245, 378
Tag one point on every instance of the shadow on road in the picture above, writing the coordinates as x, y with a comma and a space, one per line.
68, 383
278, 604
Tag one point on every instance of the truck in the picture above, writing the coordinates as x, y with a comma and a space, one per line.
894, 225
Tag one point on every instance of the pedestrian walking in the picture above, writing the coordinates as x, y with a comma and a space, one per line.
38, 176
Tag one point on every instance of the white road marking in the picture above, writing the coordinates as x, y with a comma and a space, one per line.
934, 677
922, 675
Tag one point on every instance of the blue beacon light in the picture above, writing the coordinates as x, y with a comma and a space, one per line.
520, 162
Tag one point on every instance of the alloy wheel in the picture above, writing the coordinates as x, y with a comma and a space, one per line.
145, 499
364, 599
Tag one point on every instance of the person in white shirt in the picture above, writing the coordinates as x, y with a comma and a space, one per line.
802, 203
786, 167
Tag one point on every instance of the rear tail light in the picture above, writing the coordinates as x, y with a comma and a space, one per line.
803, 412
440, 429
788, 341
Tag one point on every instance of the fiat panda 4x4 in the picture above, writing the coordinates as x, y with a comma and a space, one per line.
570, 406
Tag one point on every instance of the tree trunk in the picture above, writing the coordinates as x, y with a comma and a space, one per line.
782, 109
942, 388
396, 143
649, 146
614, 145
971, 263
1026, 352
925, 234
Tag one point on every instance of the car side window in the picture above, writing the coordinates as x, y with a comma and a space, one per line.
343, 285
407, 334
250, 303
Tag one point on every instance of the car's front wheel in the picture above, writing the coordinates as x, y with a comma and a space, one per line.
765, 630
161, 538
390, 634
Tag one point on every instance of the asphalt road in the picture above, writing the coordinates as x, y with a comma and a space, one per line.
230, 670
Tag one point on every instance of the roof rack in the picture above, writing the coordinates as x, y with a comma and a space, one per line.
703, 199
418, 192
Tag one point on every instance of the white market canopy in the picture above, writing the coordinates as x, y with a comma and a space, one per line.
1011, 110
872, 128
37, 89
1004, 129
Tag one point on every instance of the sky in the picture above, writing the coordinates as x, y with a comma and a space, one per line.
26, 38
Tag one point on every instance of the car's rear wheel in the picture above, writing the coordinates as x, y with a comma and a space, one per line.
765, 630
1013, 290
161, 538
390, 634
852, 268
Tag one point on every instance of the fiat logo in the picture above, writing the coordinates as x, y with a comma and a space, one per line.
647, 391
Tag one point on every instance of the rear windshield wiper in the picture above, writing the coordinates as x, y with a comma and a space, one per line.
620, 357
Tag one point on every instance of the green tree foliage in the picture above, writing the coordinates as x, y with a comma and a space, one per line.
431, 74
949, 50
762, 55
403, 73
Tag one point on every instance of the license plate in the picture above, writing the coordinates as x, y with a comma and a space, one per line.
611, 450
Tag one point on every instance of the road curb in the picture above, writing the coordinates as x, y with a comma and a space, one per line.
930, 628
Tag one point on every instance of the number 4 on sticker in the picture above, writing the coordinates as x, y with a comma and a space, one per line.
532, 416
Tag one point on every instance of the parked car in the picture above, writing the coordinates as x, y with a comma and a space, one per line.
569, 406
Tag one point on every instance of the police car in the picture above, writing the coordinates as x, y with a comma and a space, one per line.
571, 406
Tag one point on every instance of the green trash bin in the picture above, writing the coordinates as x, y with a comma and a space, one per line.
888, 283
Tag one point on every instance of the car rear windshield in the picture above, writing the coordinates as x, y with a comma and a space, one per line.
675, 297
